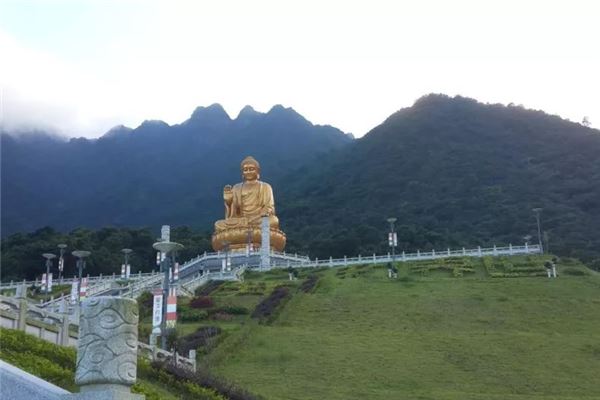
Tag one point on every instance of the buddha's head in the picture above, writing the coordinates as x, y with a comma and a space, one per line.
250, 169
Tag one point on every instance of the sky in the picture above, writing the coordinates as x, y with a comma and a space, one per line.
79, 68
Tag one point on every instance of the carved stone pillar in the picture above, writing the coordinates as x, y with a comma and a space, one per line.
107, 349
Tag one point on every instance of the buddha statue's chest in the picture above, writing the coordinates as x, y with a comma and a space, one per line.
250, 194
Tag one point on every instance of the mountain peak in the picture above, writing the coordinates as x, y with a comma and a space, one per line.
248, 111
279, 111
214, 112
117, 131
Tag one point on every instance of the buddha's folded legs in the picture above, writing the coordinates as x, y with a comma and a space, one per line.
243, 222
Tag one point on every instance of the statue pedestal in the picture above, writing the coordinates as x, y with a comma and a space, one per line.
237, 238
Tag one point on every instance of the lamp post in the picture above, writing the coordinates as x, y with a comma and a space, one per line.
48, 257
392, 238
61, 260
165, 247
537, 212
126, 252
81, 255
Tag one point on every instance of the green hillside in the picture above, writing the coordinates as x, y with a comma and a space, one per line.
433, 333
455, 172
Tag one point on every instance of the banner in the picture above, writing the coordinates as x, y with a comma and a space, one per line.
46, 281
127, 271
61, 264
157, 308
158, 258
176, 273
122, 271
172, 307
83, 289
392, 239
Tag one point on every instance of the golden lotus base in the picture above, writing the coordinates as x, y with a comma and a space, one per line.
237, 238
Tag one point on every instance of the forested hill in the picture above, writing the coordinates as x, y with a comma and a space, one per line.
153, 174
454, 172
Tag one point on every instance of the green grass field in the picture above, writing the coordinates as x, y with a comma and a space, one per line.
428, 335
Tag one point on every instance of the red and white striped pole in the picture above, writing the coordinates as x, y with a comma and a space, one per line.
83, 289
172, 308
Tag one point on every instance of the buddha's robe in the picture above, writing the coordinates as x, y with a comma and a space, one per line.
249, 204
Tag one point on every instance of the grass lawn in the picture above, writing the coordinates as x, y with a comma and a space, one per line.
427, 335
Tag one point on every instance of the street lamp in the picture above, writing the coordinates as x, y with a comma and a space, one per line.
165, 247
61, 260
392, 238
48, 257
81, 255
126, 252
537, 212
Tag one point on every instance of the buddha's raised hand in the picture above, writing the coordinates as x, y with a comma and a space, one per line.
227, 194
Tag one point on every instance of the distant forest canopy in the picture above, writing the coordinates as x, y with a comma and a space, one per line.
453, 171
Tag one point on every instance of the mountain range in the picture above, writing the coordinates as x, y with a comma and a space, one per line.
154, 174
453, 171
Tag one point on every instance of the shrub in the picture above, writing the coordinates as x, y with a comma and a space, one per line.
203, 337
233, 310
266, 308
309, 284
192, 315
145, 304
201, 302
574, 272
207, 289
183, 377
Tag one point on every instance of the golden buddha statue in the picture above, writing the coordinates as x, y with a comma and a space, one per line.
245, 205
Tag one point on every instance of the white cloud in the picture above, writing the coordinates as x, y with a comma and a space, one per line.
97, 64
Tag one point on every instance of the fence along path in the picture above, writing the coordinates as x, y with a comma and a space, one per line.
147, 280
57, 328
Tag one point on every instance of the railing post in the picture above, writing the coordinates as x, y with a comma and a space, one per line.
403, 256
432, 252
359, 257
330, 261
22, 318
495, 251
510, 249
418, 254
345, 261
526, 248
192, 357
464, 251
448, 250
479, 251
64, 331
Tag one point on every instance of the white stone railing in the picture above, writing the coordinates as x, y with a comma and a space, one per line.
375, 259
144, 281
62, 329
68, 281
